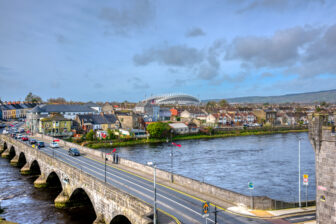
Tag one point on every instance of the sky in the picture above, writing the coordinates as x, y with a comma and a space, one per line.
131, 49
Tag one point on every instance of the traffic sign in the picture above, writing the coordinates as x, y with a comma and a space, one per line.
205, 208
250, 185
305, 179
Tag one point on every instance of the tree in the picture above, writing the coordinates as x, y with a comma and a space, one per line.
90, 135
158, 130
59, 100
211, 105
110, 134
223, 103
33, 98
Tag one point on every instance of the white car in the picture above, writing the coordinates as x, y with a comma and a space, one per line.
54, 145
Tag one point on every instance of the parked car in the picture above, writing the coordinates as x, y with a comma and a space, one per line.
18, 136
32, 141
24, 138
40, 144
73, 152
54, 145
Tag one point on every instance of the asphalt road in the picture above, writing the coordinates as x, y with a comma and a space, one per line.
187, 209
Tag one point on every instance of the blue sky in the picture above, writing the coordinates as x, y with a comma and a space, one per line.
126, 50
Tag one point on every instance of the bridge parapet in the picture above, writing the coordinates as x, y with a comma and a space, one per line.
108, 201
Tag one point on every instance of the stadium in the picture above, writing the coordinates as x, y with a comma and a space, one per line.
174, 98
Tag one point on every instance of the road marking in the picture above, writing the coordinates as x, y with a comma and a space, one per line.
138, 185
120, 183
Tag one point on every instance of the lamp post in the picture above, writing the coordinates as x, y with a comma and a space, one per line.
153, 164
299, 172
105, 166
171, 157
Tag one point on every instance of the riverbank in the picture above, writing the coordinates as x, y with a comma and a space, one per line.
3, 221
220, 134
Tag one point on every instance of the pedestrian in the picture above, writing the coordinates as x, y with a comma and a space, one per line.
117, 159
114, 158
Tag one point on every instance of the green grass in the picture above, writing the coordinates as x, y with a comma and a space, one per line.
223, 134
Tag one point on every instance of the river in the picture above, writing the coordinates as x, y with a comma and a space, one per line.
270, 162
27, 205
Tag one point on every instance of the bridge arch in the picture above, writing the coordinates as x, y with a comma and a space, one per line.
12, 152
81, 200
35, 168
120, 219
22, 160
5, 146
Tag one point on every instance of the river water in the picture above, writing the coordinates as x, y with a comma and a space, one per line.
270, 162
27, 205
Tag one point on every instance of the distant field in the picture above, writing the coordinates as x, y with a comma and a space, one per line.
328, 96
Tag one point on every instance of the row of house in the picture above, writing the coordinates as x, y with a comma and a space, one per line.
15, 110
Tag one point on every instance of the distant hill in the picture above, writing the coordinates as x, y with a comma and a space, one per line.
311, 97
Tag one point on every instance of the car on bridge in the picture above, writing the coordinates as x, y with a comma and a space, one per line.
54, 145
32, 141
73, 152
40, 144
24, 138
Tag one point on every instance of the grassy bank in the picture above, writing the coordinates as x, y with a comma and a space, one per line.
223, 134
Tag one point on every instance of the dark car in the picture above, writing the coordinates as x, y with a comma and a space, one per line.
73, 152
40, 144
13, 135
32, 141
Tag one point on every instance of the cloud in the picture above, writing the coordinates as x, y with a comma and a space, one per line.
98, 85
274, 5
195, 32
138, 83
178, 55
211, 66
281, 49
134, 15
61, 39
267, 75
179, 83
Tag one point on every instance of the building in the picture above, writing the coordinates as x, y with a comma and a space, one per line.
265, 116
164, 114
97, 121
179, 128
69, 111
173, 99
107, 108
322, 136
129, 120
55, 125
150, 111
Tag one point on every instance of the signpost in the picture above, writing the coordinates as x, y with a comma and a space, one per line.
305, 182
251, 187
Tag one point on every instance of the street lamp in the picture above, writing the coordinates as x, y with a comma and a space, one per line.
105, 166
299, 171
153, 164
171, 157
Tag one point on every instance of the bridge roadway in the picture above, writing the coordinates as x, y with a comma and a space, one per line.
182, 207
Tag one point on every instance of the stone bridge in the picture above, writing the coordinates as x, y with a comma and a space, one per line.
110, 204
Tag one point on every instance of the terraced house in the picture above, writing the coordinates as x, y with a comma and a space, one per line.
55, 125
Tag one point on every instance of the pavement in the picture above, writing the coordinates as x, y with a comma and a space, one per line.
229, 206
